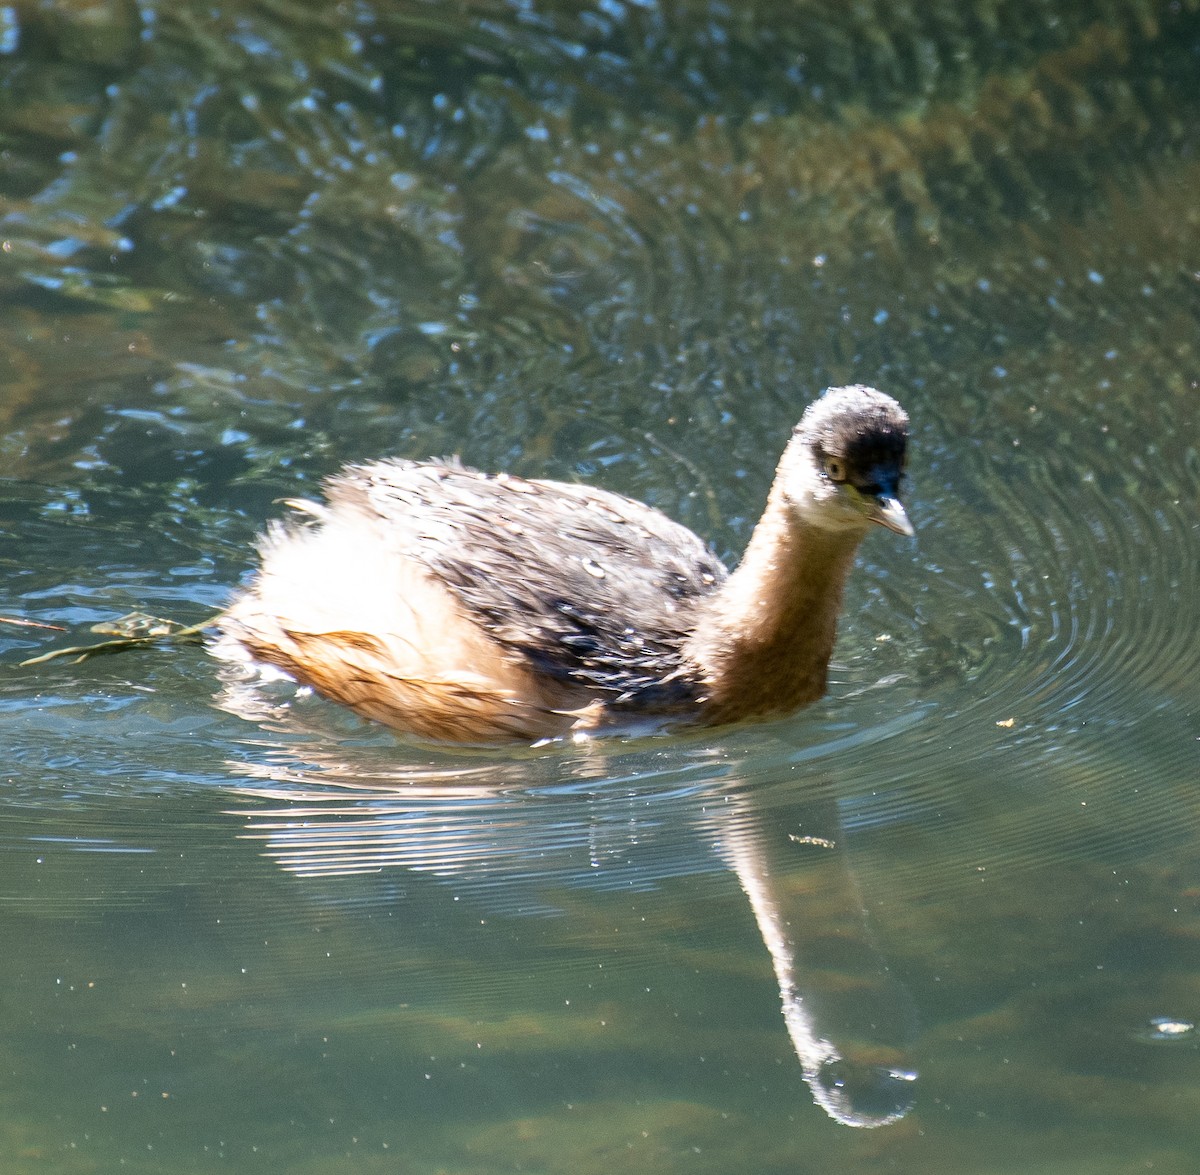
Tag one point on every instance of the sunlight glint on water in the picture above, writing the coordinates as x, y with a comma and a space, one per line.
625, 245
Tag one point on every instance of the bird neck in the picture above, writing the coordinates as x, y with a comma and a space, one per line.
764, 645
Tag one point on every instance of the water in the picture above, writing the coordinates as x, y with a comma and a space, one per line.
624, 243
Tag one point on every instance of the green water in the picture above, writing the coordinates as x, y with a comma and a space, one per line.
624, 243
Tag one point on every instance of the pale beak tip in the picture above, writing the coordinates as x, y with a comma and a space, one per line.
890, 513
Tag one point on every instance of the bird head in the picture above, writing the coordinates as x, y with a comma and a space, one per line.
843, 466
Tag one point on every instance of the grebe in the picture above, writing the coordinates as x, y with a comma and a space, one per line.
469, 607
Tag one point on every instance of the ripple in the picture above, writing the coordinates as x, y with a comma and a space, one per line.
1040, 671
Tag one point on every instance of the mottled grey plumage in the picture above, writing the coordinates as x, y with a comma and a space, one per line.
595, 589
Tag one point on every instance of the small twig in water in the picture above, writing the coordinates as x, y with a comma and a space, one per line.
80, 653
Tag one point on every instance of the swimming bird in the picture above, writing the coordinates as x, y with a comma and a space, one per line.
482, 608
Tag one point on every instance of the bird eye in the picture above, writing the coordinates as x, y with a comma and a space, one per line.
835, 470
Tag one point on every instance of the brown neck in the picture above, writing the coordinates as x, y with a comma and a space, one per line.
765, 642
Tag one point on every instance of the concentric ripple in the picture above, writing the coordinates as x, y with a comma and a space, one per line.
1047, 621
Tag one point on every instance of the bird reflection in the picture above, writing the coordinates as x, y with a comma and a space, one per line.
482, 823
849, 1019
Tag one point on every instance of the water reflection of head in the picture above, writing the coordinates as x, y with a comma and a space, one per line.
851, 1022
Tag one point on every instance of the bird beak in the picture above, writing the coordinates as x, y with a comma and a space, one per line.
887, 511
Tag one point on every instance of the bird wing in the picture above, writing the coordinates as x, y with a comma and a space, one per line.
593, 588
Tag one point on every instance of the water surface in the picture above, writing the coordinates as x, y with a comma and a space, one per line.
623, 243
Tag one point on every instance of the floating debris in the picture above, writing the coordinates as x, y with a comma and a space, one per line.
1166, 1028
